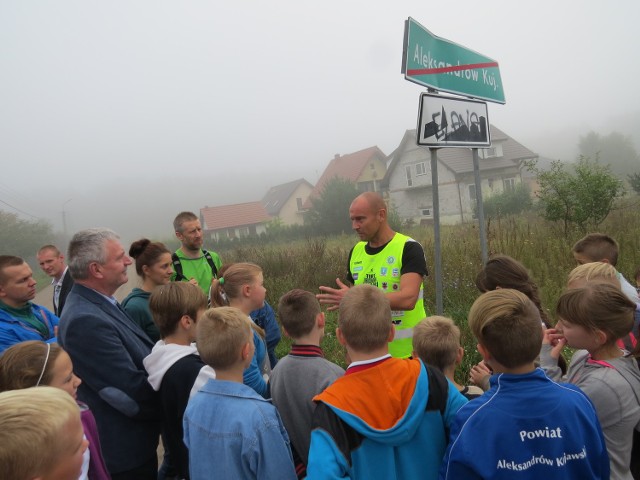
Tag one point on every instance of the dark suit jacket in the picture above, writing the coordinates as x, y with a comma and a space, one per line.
107, 349
67, 283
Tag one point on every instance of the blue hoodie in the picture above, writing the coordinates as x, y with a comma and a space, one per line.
374, 424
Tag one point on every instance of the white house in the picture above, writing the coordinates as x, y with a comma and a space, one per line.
408, 185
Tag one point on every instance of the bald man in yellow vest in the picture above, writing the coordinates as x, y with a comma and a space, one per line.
388, 260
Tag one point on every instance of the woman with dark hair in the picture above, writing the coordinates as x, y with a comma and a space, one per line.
154, 265
503, 271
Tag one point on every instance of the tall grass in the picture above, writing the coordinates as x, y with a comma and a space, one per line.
539, 245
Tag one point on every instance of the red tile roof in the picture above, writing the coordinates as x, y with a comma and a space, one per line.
348, 166
238, 215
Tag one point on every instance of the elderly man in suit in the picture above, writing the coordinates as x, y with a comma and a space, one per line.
52, 263
107, 349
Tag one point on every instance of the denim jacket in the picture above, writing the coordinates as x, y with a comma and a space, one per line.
232, 432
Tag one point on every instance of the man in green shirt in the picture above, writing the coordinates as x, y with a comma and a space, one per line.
388, 260
191, 262
21, 320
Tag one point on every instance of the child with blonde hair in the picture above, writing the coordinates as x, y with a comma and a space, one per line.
40, 435
525, 423
386, 418
436, 341
605, 272
35, 364
591, 318
241, 285
230, 430
599, 247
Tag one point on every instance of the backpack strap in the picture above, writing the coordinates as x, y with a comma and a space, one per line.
438, 394
211, 263
438, 389
177, 267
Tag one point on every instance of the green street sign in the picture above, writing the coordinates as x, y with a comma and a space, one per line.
446, 66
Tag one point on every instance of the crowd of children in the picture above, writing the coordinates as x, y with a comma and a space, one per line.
227, 414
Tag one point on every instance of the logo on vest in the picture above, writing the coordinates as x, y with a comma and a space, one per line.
385, 285
370, 279
395, 272
391, 260
355, 277
383, 271
395, 286
357, 269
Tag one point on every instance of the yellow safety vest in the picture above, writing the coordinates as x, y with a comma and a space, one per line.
383, 271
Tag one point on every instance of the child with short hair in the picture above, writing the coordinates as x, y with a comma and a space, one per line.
591, 319
436, 341
35, 363
526, 425
386, 417
304, 372
598, 247
174, 366
503, 271
230, 430
41, 435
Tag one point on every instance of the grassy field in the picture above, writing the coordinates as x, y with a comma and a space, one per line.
540, 246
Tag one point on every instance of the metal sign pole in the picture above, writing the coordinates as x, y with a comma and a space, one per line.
436, 230
480, 207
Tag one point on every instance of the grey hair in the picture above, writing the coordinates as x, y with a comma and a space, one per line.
86, 247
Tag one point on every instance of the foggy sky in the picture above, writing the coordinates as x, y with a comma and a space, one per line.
123, 113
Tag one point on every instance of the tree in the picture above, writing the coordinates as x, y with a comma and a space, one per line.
509, 202
22, 238
329, 213
634, 181
614, 149
580, 195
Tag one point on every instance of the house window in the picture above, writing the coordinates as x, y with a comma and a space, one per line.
299, 203
509, 184
489, 152
407, 169
421, 168
472, 193
425, 212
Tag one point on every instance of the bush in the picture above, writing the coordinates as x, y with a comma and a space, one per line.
510, 202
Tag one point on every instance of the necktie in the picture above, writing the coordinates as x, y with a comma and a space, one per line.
56, 295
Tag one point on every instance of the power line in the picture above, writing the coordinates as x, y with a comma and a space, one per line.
21, 211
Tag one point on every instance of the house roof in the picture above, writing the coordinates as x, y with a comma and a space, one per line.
240, 214
276, 197
348, 166
460, 160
